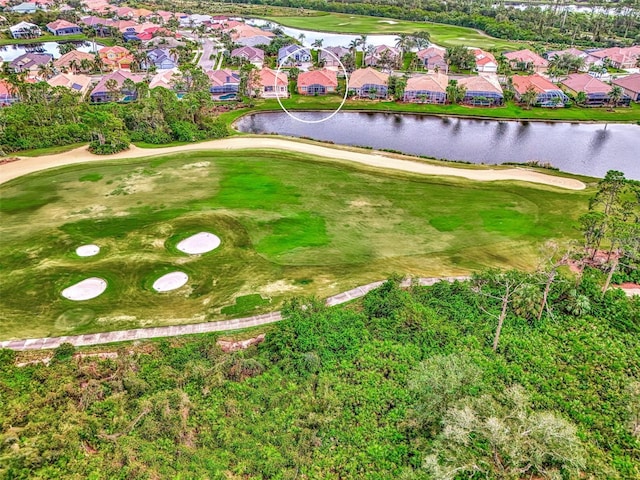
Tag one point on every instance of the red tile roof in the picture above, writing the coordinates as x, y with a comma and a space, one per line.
327, 78
540, 84
61, 24
583, 82
630, 82
527, 56
364, 76
433, 83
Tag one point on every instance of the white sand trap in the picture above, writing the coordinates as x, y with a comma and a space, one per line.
87, 250
390, 22
170, 281
86, 289
202, 242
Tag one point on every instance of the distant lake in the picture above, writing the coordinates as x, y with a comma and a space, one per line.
11, 52
328, 39
587, 149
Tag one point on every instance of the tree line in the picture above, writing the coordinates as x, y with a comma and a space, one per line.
552, 25
54, 116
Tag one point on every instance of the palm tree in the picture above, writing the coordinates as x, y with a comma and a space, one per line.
85, 65
421, 39
317, 43
402, 44
615, 95
362, 41
302, 37
529, 97
581, 98
45, 71
113, 88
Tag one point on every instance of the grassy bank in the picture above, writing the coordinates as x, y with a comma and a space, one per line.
508, 111
42, 39
289, 224
445, 35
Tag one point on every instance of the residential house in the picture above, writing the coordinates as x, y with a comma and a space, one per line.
317, 82
596, 91
194, 20
526, 60
485, 61
433, 58
161, 59
76, 83
293, 54
253, 55
163, 42
225, 84
62, 27
254, 41
239, 31
101, 92
72, 61
30, 63
631, 86
430, 88
392, 55
166, 79
116, 57
589, 60
618, 57
549, 94
368, 82
272, 84
331, 56
481, 91
25, 30
8, 95
25, 7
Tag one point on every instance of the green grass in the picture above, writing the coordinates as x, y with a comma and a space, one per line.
245, 305
39, 152
508, 111
42, 39
290, 225
445, 35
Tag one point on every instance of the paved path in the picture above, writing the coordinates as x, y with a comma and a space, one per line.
176, 330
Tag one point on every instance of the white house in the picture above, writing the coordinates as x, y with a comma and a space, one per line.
25, 30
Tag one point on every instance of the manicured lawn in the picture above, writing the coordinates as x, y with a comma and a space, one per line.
289, 224
43, 38
441, 34
510, 110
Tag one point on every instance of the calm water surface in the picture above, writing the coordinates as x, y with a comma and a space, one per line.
11, 52
587, 149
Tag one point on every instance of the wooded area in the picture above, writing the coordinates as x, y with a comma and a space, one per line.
403, 384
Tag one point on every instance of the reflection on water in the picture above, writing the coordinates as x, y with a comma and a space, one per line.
588, 149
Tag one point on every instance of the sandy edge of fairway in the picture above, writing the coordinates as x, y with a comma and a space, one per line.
28, 165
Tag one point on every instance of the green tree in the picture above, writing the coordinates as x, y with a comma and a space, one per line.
438, 382
505, 440
529, 98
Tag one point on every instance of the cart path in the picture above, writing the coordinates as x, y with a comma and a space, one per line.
176, 330
404, 163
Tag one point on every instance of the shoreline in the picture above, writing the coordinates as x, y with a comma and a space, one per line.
437, 114
372, 158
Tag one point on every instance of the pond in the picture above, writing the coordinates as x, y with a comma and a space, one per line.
328, 39
586, 149
11, 52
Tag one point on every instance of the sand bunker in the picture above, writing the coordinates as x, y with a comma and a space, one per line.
170, 281
390, 22
202, 242
87, 250
86, 289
